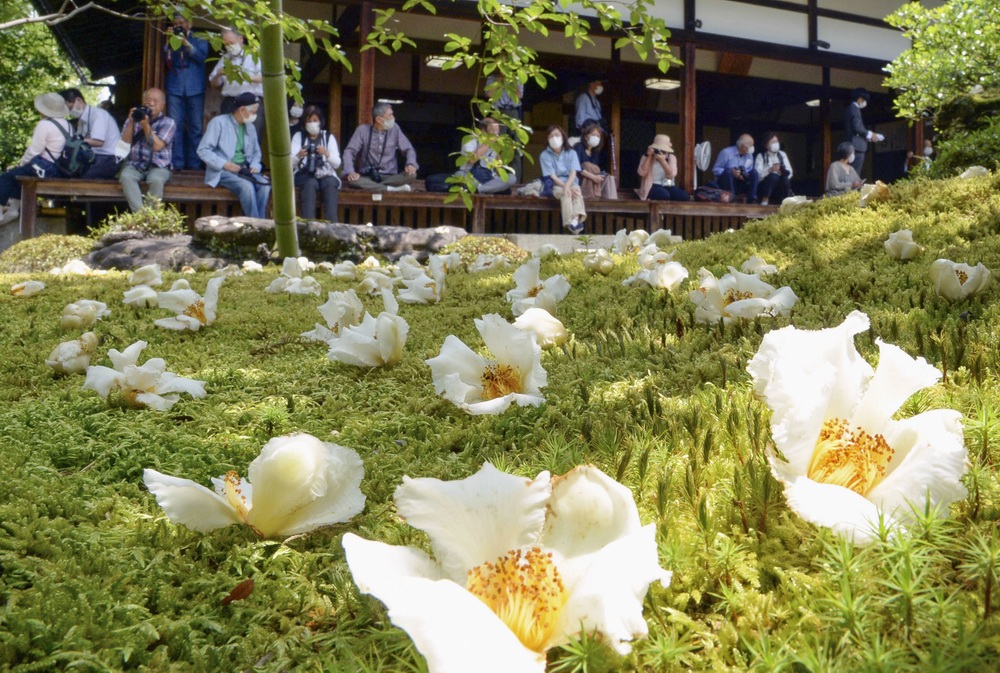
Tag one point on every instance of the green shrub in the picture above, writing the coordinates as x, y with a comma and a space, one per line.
43, 253
470, 247
157, 219
961, 149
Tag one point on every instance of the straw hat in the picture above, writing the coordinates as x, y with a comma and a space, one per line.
662, 142
51, 105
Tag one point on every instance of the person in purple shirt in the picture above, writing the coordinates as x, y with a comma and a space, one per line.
734, 169
185, 85
370, 157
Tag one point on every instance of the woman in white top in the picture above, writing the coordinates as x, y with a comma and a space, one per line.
316, 160
774, 171
39, 159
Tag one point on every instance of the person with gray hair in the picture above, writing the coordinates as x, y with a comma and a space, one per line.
251, 81
370, 161
734, 169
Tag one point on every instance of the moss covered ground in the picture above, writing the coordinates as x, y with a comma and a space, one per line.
94, 578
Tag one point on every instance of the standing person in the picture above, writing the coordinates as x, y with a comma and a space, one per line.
99, 130
232, 156
560, 167
251, 82
295, 121
47, 142
317, 159
855, 131
185, 85
595, 182
483, 160
734, 169
151, 137
774, 170
588, 108
370, 157
658, 170
841, 176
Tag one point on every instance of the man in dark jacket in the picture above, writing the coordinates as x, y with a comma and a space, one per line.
855, 131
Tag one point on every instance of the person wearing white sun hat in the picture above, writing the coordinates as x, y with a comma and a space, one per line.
658, 170
47, 142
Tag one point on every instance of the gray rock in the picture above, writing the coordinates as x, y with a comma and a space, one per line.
170, 252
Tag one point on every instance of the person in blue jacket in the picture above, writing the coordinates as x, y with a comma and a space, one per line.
185, 86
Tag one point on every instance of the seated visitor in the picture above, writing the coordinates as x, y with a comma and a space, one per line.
774, 171
658, 170
841, 176
560, 166
152, 140
100, 131
232, 156
47, 142
595, 182
483, 162
370, 156
734, 169
317, 159
587, 108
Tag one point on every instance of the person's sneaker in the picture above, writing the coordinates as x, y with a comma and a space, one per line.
10, 215
401, 188
575, 227
763, 202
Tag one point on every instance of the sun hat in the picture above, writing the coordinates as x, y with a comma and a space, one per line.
662, 142
51, 105
245, 99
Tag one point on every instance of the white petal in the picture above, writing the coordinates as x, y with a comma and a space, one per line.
155, 401
278, 285
548, 330
178, 301
127, 357
212, 298
188, 503
477, 519
172, 383
291, 268
179, 323
321, 333
357, 345
391, 332
897, 377
511, 346
456, 372
102, 380
142, 296
146, 275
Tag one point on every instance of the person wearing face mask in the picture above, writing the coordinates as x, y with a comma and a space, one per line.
370, 161
734, 169
658, 170
775, 171
295, 123
100, 131
854, 128
251, 81
919, 163
482, 162
316, 160
185, 85
595, 182
841, 176
151, 141
560, 167
588, 107
231, 153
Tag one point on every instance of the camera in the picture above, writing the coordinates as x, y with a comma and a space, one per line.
374, 173
312, 158
178, 30
658, 152
141, 113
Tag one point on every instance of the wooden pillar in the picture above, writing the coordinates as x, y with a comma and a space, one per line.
366, 81
689, 95
824, 125
616, 114
335, 101
918, 138
152, 55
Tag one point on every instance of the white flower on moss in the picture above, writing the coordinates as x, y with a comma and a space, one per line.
485, 262
375, 282
847, 462
345, 270
974, 172
149, 385
228, 271
879, 191
376, 342
900, 245
305, 264
342, 309
250, 266
520, 566
625, 242
370, 264
292, 281
142, 296
599, 261
546, 250
662, 237
82, 314
193, 311
666, 276
76, 267
146, 275
28, 288
651, 257
180, 284
449, 263
478, 385
531, 291
296, 485
758, 266
73, 357
548, 330
956, 281
409, 268
793, 203
738, 295
424, 289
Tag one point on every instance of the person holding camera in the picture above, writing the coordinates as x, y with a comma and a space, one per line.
150, 134
482, 162
99, 130
370, 157
734, 169
317, 159
775, 170
231, 153
185, 84
658, 170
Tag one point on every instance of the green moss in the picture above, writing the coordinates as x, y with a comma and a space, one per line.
156, 219
470, 247
43, 253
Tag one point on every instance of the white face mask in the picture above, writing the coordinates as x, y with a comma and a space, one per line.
863, 104
295, 112
850, 158
774, 147
751, 149
312, 128
555, 142
598, 90
234, 49
387, 124
75, 113
251, 119
928, 151
593, 141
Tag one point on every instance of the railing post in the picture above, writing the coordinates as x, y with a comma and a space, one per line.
478, 214
29, 208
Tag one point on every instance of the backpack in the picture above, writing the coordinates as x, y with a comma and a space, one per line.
712, 194
76, 157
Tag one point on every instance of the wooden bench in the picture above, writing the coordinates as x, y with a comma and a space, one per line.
491, 214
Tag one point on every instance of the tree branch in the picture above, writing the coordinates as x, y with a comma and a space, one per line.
65, 14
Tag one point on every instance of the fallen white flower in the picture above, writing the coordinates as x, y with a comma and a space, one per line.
758, 266
974, 172
548, 330
449, 263
228, 271
409, 268
305, 264
793, 203
531, 291
376, 342
146, 275
76, 267
341, 310
625, 242
296, 485
546, 250
956, 281
149, 385
651, 256
424, 289
193, 311
599, 261
485, 262
142, 296
251, 266
374, 282
879, 191
666, 276
28, 288
292, 281
900, 245
82, 314
345, 270
662, 237
738, 295
73, 357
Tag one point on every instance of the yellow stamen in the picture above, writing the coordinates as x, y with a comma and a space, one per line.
524, 589
234, 494
849, 458
499, 380
962, 276
736, 295
533, 292
197, 311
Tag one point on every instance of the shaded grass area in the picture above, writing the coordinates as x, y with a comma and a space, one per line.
92, 576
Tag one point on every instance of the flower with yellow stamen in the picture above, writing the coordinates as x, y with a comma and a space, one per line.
147, 385
738, 295
193, 311
531, 291
956, 281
